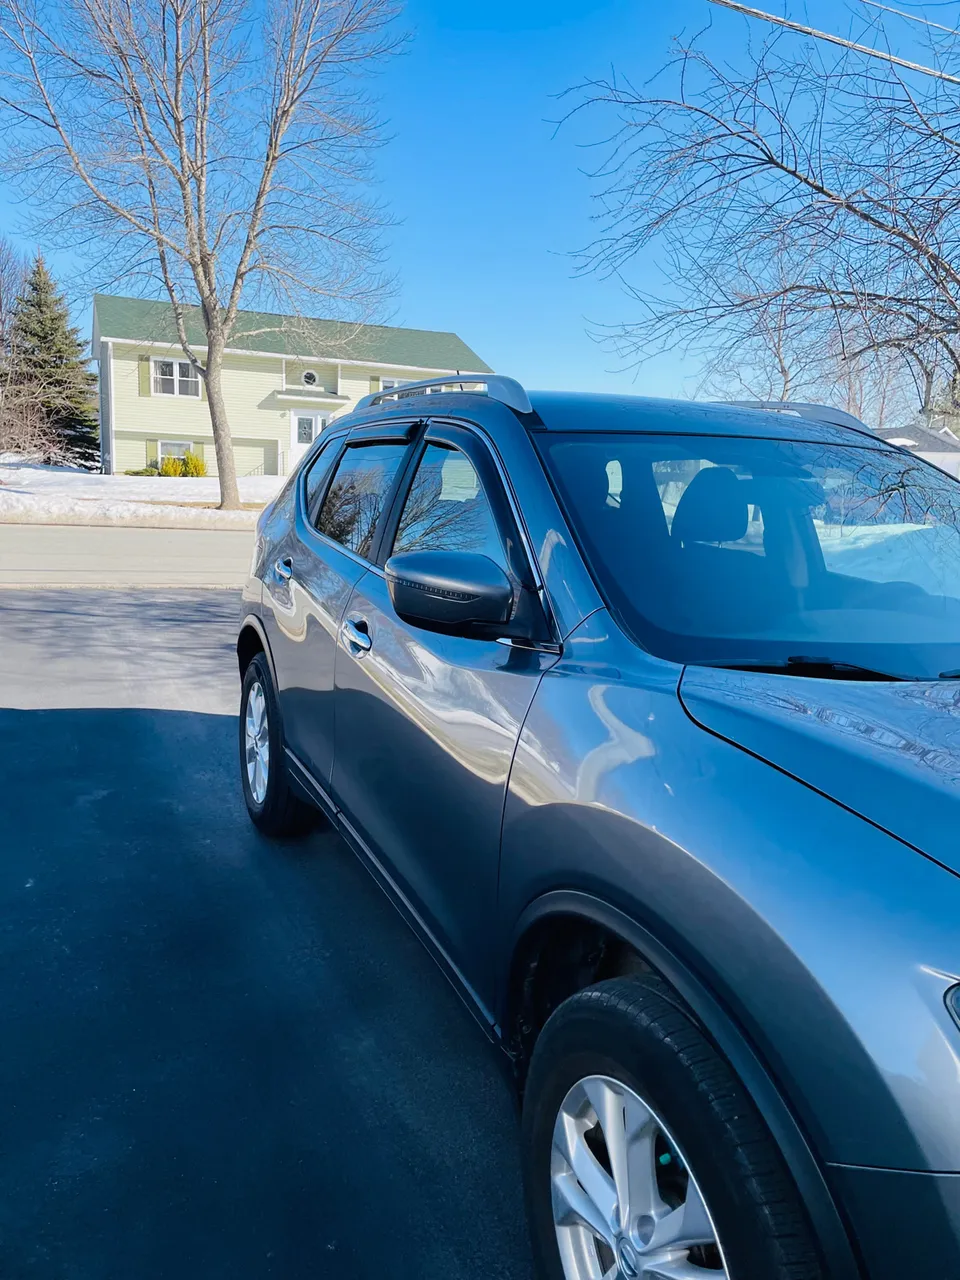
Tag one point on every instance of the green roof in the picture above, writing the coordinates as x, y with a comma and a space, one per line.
141, 320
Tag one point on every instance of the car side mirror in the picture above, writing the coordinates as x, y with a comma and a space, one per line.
449, 590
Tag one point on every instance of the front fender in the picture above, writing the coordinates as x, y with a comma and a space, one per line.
826, 941
729, 1039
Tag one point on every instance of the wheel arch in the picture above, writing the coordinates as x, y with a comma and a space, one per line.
623, 945
251, 640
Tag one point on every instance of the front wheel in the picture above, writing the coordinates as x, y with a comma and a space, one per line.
644, 1156
271, 802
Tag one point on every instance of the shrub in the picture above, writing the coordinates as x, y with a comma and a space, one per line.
171, 466
193, 464
143, 471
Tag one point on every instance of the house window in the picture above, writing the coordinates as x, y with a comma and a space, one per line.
309, 426
175, 378
309, 378
173, 449
394, 384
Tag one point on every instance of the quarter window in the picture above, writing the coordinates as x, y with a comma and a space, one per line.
358, 495
317, 474
175, 378
446, 508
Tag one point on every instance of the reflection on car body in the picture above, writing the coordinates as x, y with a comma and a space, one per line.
638, 711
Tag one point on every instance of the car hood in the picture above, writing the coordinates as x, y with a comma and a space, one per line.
888, 751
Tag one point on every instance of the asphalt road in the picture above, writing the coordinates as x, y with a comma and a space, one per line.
224, 1058
76, 555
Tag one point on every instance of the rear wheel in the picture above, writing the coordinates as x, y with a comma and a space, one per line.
271, 801
644, 1156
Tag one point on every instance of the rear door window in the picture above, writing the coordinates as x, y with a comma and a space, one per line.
359, 493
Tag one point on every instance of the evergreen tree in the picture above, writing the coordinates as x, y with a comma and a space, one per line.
48, 361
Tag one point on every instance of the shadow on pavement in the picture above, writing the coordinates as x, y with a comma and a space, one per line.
120, 647
223, 1057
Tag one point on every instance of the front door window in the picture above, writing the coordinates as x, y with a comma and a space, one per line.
305, 429
446, 508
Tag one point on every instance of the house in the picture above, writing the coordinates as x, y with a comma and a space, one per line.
284, 378
938, 445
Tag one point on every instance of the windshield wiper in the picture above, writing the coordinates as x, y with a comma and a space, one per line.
802, 665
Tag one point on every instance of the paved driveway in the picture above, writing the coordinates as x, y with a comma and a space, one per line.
69, 555
223, 1058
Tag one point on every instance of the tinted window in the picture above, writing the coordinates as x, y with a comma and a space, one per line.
317, 475
358, 494
446, 508
766, 551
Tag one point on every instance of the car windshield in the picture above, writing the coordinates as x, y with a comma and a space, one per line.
753, 552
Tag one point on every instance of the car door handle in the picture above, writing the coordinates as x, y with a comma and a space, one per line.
284, 569
356, 636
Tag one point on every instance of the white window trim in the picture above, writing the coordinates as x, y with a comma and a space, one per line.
155, 376
315, 384
321, 419
186, 446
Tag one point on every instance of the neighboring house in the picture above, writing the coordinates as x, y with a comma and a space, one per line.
284, 378
937, 445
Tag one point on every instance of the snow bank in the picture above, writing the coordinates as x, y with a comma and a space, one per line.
34, 494
28, 477
20, 508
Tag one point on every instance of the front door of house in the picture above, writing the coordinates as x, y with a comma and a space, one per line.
305, 426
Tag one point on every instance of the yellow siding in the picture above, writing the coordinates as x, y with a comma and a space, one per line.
260, 423
130, 454
326, 374
354, 383
133, 451
250, 384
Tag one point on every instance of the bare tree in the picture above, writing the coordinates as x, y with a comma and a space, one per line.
27, 427
13, 273
804, 192
773, 352
214, 148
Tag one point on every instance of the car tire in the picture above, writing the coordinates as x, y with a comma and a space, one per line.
634, 1035
271, 802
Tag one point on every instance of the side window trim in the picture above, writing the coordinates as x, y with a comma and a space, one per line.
357, 436
478, 453
391, 520
338, 444
481, 441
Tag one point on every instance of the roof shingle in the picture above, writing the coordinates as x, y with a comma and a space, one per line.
142, 320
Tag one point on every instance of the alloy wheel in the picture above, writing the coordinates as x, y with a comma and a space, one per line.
257, 742
626, 1206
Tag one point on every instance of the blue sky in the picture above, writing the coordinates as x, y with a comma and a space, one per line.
490, 200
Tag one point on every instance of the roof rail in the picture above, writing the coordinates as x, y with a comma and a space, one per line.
507, 390
817, 412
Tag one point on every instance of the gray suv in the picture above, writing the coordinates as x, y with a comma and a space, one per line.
646, 715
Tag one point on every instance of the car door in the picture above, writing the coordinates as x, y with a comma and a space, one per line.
427, 723
340, 502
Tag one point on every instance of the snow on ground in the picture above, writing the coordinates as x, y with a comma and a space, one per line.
17, 508
31, 493
927, 555
68, 482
